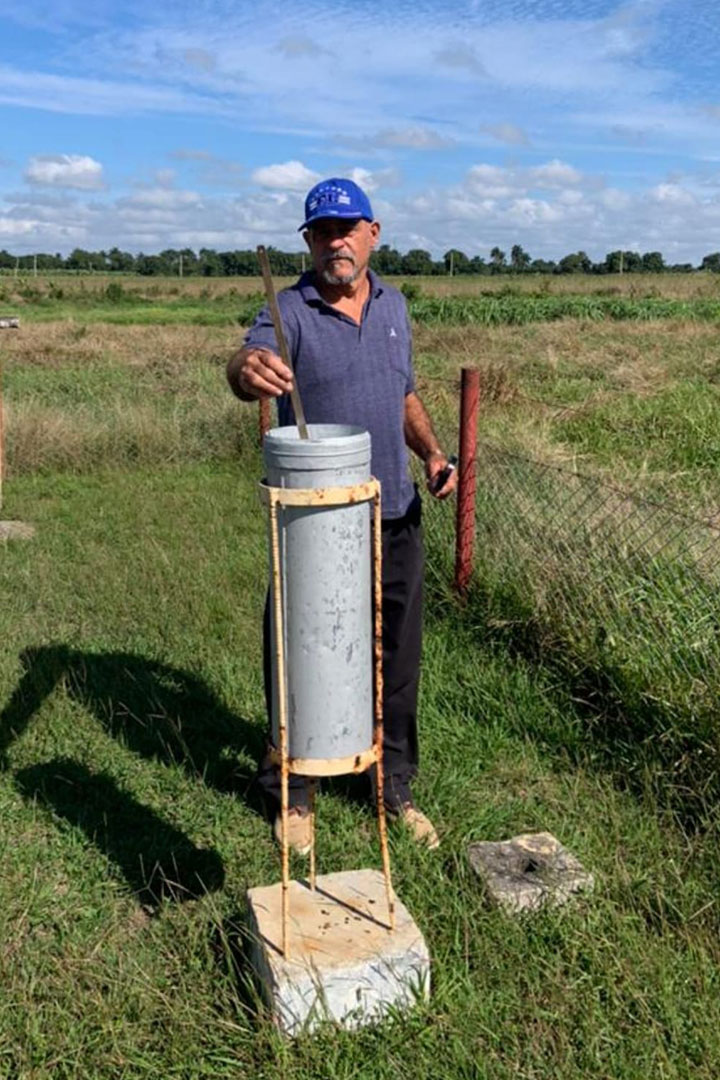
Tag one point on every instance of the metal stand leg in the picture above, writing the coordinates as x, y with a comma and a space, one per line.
380, 771
279, 644
312, 789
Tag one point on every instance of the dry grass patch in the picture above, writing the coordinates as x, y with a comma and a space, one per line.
79, 398
55, 343
626, 354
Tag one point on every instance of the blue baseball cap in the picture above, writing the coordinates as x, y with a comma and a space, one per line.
336, 198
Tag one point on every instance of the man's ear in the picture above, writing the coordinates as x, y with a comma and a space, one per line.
375, 232
306, 238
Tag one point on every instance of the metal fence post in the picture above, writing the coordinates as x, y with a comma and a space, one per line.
465, 521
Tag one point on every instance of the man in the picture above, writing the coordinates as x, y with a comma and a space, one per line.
349, 337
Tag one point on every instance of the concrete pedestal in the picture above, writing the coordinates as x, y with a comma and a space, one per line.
344, 964
16, 530
529, 871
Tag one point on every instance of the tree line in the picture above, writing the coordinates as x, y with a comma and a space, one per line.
386, 260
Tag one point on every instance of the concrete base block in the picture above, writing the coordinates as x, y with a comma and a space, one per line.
528, 872
16, 530
344, 964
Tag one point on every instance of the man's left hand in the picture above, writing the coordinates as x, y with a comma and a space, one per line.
435, 463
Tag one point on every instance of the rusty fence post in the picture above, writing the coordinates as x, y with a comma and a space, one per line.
465, 522
263, 419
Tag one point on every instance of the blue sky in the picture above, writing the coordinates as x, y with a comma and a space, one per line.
556, 124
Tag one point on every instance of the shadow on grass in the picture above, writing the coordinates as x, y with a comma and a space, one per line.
156, 710
158, 861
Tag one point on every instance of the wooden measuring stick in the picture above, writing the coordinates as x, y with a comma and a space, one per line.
280, 336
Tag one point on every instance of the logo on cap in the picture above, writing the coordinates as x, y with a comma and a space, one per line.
336, 198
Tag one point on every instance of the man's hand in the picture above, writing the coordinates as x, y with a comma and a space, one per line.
258, 373
435, 463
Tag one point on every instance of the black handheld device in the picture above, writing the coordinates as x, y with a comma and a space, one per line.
444, 475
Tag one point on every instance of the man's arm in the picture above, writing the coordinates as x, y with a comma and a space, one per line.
258, 373
422, 440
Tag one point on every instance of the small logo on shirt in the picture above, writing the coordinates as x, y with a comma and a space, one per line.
392, 332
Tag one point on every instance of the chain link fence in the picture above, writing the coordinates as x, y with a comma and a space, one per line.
621, 591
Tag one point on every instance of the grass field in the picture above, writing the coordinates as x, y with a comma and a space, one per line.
131, 719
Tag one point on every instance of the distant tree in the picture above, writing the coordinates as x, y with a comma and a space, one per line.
79, 259
577, 263
497, 260
456, 261
653, 262
542, 266
623, 262
417, 261
711, 262
519, 259
478, 265
209, 264
149, 265
121, 261
386, 260
189, 261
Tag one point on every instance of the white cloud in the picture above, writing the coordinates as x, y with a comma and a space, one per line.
65, 171
411, 138
161, 198
672, 194
31, 233
510, 134
489, 205
290, 176
555, 174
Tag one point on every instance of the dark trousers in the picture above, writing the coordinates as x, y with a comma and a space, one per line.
402, 585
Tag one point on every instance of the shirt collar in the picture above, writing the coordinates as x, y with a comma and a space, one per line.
309, 292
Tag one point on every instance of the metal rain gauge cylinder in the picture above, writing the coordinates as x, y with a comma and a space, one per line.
325, 612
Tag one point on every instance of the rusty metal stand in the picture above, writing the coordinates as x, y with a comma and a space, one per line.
275, 498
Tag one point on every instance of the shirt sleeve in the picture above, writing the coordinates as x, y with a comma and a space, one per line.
262, 332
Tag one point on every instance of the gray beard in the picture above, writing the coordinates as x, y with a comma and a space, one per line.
331, 278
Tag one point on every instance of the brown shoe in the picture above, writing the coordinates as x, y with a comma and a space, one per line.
299, 829
421, 827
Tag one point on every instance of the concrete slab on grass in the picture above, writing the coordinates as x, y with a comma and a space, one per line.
16, 530
529, 871
344, 963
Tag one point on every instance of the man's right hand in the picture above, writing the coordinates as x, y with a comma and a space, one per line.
258, 373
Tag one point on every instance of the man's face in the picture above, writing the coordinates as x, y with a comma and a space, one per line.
341, 248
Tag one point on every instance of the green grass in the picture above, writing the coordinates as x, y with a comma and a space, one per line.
512, 310
674, 431
511, 301
132, 718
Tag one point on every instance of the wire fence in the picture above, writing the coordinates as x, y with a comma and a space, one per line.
622, 590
